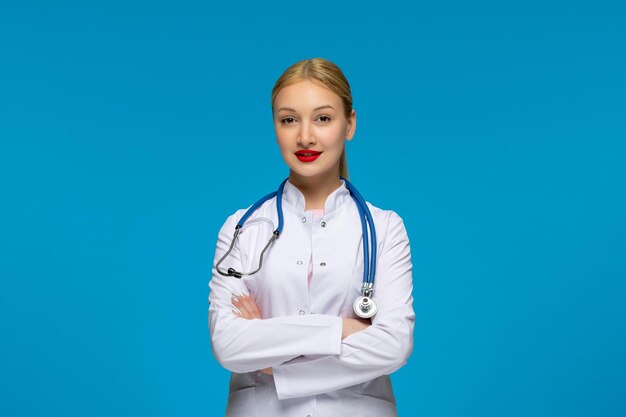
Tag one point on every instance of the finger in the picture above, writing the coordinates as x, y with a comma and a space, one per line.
251, 306
239, 302
236, 301
255, 308
246, 305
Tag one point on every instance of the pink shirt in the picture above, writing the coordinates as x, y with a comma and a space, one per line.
316, 213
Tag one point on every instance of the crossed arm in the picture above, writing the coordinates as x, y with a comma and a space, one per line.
248, 309
317, 353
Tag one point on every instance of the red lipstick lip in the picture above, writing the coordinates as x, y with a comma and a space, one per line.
307, 156
307, 153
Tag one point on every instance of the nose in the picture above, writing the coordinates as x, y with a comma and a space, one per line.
306, 136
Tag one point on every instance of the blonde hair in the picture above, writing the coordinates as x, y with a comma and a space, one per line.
329, 74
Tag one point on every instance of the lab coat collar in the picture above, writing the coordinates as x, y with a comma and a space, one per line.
293, 197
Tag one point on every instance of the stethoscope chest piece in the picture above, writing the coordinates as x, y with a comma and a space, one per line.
365, 307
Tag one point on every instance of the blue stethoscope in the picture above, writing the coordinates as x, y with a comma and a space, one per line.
365, 305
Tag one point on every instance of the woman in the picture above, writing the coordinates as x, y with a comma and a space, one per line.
288, 332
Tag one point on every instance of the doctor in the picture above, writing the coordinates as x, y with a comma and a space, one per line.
289, 333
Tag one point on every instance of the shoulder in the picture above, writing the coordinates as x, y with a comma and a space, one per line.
389, 225
385, 216
233, 218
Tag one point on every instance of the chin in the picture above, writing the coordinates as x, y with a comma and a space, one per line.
309, 173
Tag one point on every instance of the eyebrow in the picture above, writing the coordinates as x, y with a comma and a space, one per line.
315, 109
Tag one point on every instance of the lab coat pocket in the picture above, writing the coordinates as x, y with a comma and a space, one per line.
377, 407
377, 398
242, 403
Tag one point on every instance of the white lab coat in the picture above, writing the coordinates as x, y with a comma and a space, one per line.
315, 373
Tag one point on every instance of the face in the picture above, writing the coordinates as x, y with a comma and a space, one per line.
311, 128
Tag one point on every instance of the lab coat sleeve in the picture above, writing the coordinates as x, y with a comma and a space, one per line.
380, 349
242, 345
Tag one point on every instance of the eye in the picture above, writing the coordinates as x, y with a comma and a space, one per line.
324, 118
287, 120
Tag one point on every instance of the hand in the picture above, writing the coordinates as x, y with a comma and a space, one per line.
351, 326
249, 310
247, 307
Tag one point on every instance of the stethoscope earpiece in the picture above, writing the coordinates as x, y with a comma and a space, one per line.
233, 273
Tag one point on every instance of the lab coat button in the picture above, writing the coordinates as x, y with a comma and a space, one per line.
322, 263
323, 224
302, 312
304, 220
299, 262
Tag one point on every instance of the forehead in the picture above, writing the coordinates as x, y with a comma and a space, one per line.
306, 94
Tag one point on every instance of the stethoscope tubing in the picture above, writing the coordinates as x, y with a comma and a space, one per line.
367, 226
372, 235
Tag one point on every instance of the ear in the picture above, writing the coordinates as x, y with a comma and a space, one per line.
351, 125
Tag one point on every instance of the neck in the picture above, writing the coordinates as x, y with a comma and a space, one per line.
315, 189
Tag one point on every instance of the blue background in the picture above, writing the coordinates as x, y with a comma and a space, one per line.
130, 130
